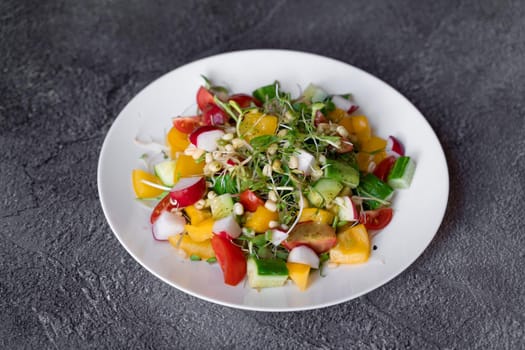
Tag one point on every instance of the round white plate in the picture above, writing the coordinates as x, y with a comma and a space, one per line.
418, 210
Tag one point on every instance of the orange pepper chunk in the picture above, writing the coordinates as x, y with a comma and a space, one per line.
347, 123
361, 128
259, 221
256, 124
201, 231
336, 115
363, 160
187, 166
141, 189
190, 247
373, 145
353, 246
318, 215
177, 141
299, 273
197, 215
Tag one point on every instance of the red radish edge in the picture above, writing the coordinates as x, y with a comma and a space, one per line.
394, 147
188, 190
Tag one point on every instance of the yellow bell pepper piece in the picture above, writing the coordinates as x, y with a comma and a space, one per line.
201, 231
177, 141
373, 144
353, 246
256, 124
299, 273
379, 156
190, 247
363, 160
361, 128
197, 216
141, 189
347, 123
336, 115
259, 221
187, 166
318, 215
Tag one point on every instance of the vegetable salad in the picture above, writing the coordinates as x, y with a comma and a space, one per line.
270, 186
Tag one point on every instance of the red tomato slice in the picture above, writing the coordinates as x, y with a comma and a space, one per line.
383, 168
376, 219
186, 124
204, 98
319, 118
164, 204
230, 258
250, 201
244, 100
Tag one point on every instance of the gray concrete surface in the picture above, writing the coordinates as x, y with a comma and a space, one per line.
68, 67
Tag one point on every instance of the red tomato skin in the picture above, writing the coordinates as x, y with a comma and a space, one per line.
244, 100
163, 204
231, 260
250, 201
186, 124
383, 168
204, 98
213, 115
376, 219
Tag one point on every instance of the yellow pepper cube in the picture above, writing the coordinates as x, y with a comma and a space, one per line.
299, 274
202, 231
197, 215
336, 115
177, 141
141, 189
363, 161
256, 124
259, 221
361, 128
318, 215
347, 123
190, 247
373, 145
353, 246
187, 166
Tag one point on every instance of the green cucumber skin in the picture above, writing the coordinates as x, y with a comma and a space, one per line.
221, 206
324, 191
371, 186
271, 267
342, 172
256, 280
402, 172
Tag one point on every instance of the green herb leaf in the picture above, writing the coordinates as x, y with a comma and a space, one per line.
263, 141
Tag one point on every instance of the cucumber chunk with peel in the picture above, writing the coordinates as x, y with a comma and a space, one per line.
402, 173
265, 273
166, 172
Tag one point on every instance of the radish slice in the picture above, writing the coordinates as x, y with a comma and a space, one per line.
168, 224
394, 147
227, 225
188, 190
347, 209
278, 236
306, 160
206, 137
344, 104
304, 255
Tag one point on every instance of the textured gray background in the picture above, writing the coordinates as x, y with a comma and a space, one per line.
68, 67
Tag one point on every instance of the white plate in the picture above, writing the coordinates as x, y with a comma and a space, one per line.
418, 210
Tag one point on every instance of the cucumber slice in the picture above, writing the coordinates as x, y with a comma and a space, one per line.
265, 273
324, 191
221, 206
371, 186
402, 173
166, 172
342, 172
314, 93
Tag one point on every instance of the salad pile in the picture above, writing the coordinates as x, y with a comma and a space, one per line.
272, 186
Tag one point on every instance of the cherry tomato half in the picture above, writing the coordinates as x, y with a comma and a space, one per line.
186, 124
250, 201
164, 204
383, 168
231, 259
204, 98
376, 219
244, 100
